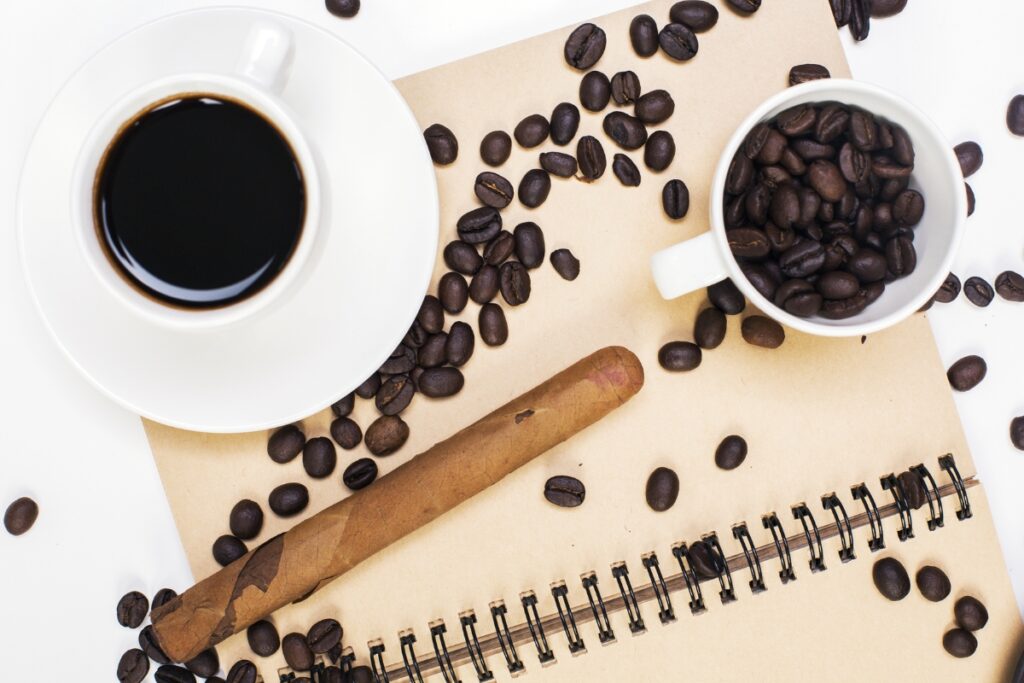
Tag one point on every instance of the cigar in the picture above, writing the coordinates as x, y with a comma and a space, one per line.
295, 564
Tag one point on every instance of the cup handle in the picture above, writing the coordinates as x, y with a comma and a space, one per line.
688, 266
267, 54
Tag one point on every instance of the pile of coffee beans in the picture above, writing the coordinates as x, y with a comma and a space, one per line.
20, 515
857, 14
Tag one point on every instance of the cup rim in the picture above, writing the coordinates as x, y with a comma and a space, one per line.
102, 133
837, 87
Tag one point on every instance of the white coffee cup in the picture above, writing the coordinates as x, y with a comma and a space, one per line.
259, 77
706, 259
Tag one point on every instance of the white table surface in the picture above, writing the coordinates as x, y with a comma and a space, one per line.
105, 526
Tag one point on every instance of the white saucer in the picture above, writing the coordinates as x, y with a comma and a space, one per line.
363, 289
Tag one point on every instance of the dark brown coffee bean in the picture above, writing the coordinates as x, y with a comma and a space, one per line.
565, 121
891, 578
701, 560
459, 346
591, 158
534, 188
662, 489
643, 35
803, 73
799, 298
133, 666
1015, 115
288, 500
761, 331
495, 148
833, 121
802, 260
1010, 285
585, 46
246, 519
846, 308
227, 549
453, 292
296, 652
514, 283
867, 265
811, 150
386, 434
148, 644
285, 444
559, 164
785, 207
205, 664
772, 149
697, 15
346, 9
970, 613
949, 290
263, 638
1017, 432
628, 132
971, 200
565, 264
443, 146
595, 91
933, 583
360, 674
395, 394
132, 609
243, 671
908, 208
478, 226
678, 42
359, 474
913, 489
748, 243
841, 10
854, 164
343, 406
792, 162
970, 156
319, 456
745, 7
492, 325
900, 256
369, 387
978, 291
679, 356
959, 642
659, 151
726, 297
740, 175
757, 202
346, 432
625, 87
860, 19
162, 597
431, 354
756, 140
735, 212
838, 285
709, 330
462, 258
532, 131
827, 180
493, 190
499, 248
625, 170
484, 285
529, 244
402, 359
172, 673
323, 635
566, 492
797, 120
654, 107
731, 453
881, 9
675, 199
967, 373
441, 382
765, 281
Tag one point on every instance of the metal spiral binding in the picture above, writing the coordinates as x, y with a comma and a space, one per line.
476, 655
947, 463
892, 484
831, 502
444, 660
727, 592
412, 667
620, 572
560, 592
682, 555
742, 534
348, 657
877, 541
665, 612
604, 627
508, 645
931, 490
540, 640
377, 666
772, 523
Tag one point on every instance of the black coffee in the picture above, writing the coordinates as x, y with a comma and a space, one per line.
200, 202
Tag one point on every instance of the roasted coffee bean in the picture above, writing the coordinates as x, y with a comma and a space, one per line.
978, 291
799, 298
1010, 285
459, 346
499, 248
431, 354
678, 42
731, 453
591, 158
792, 163
740, 175
838, 285
734, 212
285, 444
628, 132
395, 394
148, 644
402, 359
296, 652
565, 264
765, 281
243, 671
227, 549
643, 35
709, 330
559, 164
441, 382
625, 170
702, 561
726, 297
1017, 432
900, 256
443, 146
625, 87
891, 578
908, 208
1015, 115
532, 131
679, 356
595, 91
785, 207
887, 8
346, 9
462, 258
854, 164
565, 121
246, 518
343, 406
745, 7
833, 120
534, 188
492, 325
812, 150
369, 387
967, 373
585, 46
323, 635
970, 156
387, 434
796, 121
453, 292
566, 492
841, 10
662, 489
970, 614
484, 285
748, 243
133, 666
205, 664
867, 265
659, 151
360, 674
756, 140
933, 583
807, 72
514, 283
493, 190
288, 500
860, 19
495, 148
675, 199
761, 331
132, 609
162, 597
346, 432
319, 456
846, 308
172, 673
802, 260
479, 225
949, 290
654, 107
913, 489
697, 15
827, 180
971, 199
359, 474
529, 244
959, 642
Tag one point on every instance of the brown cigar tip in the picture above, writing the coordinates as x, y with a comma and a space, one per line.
622, 369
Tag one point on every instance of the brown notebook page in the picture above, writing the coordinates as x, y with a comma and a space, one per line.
819, 415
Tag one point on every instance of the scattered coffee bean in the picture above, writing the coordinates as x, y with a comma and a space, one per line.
443, 146
495, 148
655, 107
701, 561
346, 9
319, 456
565, 122
662, 489
559, 164
726, 297
534, 188
402, 359
386, 434
860, 19
441, 382
625, 87
565, 264
514, 283
529, 244
933, 583
532, 131
566, 492
296, 652
431, 354
499, 248
643, 35
346, 432
659, 151
132, 609
453, 292
162, 597
675, 199
459, 344
678, 42
172, 673
323, 635
913, 489
462, 258
761, 331
1010, 286
227, 549
950, 289
370, 385
891, 578
679, 356
133, 666
978, 291
970, 156
625, 170
395, 394
595, 91
709, 330
745, 7
493, 190
959, 643
1015, 115
285, 444
263, 638
243, 671
478, 226
970, 613
359, 474
343, 406
803, 73
148, 644
205, 664
731, 453
246, 519
628, 132
591, 158
697, 15
288, 500
881, 9
493, 327
1017, 432
484, 285
360, 674
585, 46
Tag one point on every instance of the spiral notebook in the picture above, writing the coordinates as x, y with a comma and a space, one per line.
820, 416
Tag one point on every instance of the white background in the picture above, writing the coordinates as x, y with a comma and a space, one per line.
105, 526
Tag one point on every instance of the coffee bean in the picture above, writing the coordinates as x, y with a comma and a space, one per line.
950, 289
532, 131
703, 564
441, 382
346, 9
740, 175
970, 613
860, 19
566, 492
1017, 432
462, 258
359, 474
762, 279
343, 406
163, 596
288, 500
745, 7
678, 42
499, 248
675, 199
534, 188
386, 434
591, 158
761, 331
443, 146
933, 583
133, 666
967, 373
205, 664
431, 354
323, 635
970, 156
263, 638
495, 148
697, 15
709, 330
227, 549
659, 151
887, 8
625, 170
978, 291
585, 46
803, 73
416, 336
971, 199
628, 132
459, 344
246, 518
1010, 285
296, 652
802, 260
595, 91
172, 673
369, 387
529, 244
731, 452
908, 208
565, 264
360, 674
285, 444
514, 283
838, 285
662, 489
453, 291
867, 265
643, 35
748, 243
565, 121
625, 87
654, 107
395, 394
726, 297
679, 356
891, 578
959, 643
478, 226
148, 644
900, 256
132, 609
841, 10
794, 122
484, 285
402, 359
243, 671
319, 456
913, 489
493, 327
493, 190
559, 164
346, 432
1015, 115
799, 298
